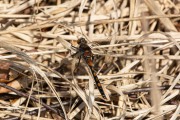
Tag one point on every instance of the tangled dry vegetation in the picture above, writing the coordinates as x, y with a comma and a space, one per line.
136, 55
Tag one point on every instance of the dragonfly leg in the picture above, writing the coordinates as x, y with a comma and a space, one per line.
75, 47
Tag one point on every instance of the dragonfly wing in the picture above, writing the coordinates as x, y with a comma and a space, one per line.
66, 44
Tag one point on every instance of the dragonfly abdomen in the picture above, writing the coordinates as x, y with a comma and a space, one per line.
99, 86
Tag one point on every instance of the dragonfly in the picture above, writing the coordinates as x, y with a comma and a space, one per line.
87, 55
84, 51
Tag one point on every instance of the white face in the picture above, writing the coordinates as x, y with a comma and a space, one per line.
81, 40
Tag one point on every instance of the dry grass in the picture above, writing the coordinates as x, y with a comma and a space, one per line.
136, 54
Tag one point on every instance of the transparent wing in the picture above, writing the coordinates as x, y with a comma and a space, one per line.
67, 45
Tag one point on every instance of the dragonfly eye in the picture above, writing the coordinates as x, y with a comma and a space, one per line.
81, 40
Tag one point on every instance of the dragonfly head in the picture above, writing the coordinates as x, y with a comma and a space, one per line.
81, 41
